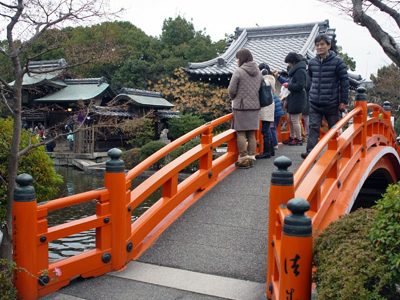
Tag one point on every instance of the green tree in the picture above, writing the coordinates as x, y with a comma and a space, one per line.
385, 85
182, 44
349, 61
183, 124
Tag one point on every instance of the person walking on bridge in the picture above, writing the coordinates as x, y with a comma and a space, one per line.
329, 90
243, 91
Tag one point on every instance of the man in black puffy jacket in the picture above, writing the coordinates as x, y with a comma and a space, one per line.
329, 90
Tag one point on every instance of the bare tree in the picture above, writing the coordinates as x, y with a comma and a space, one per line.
363, 11
27, 21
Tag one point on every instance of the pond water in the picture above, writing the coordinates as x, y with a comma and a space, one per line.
76, 181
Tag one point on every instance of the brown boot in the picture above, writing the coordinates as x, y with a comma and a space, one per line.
244, 164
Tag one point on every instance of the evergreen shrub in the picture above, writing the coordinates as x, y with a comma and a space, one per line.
140, 131
8, 291
348, 265
36, 163
182, 125
194, 166
385, 231
149, 149
131, 157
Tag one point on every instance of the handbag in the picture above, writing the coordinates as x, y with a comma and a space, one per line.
265, 94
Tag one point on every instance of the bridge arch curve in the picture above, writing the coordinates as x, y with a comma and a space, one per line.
382, 169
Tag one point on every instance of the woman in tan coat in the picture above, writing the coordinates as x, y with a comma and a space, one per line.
243, 90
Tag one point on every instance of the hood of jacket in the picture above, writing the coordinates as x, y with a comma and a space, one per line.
251, 68
300, 65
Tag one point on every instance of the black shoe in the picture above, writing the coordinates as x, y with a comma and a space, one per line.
262, 156
304, 155
285, 142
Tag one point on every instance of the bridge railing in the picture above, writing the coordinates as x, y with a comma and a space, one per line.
117, 239
177, 196
323, 181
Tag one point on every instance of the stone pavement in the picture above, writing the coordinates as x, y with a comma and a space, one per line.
216, 250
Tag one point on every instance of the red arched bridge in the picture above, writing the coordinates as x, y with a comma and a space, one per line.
249, 237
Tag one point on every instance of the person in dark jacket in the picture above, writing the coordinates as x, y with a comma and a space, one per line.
305, 115
329, 90
296, 100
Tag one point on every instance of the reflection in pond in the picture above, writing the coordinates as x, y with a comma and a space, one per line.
76, 181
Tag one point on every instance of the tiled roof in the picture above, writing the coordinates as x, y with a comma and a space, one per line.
112, 112
167, 114
44, 72
47, 65
74, 92
143, 98
267, 44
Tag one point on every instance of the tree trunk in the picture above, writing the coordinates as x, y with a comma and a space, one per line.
6, 246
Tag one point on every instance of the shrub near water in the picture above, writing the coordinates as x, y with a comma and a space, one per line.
183, 124
149, 149
348, 264
131, 157
36, 163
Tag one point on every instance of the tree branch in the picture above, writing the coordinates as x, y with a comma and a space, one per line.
387, 42
390, 11
8, 6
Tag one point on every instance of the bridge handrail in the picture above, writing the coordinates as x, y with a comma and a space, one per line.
73, 200
319, 148
321, 186
148, 162
118, 240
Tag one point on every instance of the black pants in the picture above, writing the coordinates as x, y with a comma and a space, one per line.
267, 137
315, 124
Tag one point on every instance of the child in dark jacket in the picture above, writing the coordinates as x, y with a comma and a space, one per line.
277, 117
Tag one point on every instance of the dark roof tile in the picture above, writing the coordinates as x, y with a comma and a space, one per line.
267, 44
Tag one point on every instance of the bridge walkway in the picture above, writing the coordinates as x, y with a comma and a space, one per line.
216, 250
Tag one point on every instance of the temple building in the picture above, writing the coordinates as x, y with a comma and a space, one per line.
267, 44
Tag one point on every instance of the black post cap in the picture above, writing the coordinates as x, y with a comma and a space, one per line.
361, 96
297, 224
282, 176
387, 106
24, 191
115, 164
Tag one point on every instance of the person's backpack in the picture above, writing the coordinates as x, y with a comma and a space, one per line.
265, 94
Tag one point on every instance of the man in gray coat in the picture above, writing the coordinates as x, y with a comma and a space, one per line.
329, 90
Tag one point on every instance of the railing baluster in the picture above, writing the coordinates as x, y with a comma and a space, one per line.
206, 140
281, 190
25, 239
120, 213
296, 256
361, 101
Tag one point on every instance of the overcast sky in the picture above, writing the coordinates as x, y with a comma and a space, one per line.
220, 17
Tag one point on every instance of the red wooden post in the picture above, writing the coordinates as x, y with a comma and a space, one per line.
361, 101
120, 213
206, 140
281, 190
24, 213
296, 258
